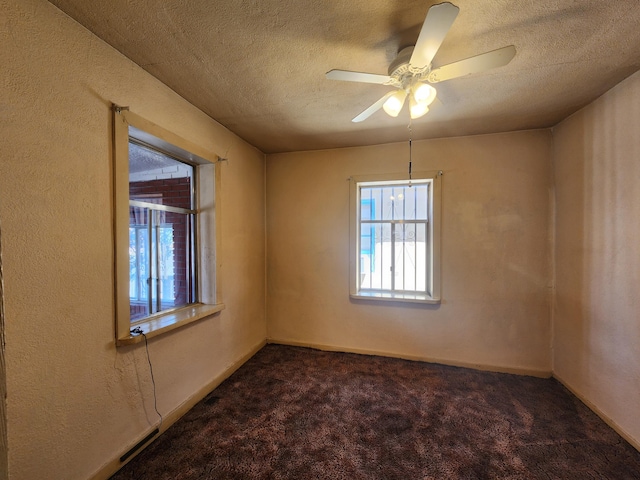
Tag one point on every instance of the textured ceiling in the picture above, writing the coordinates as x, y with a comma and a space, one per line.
258, 66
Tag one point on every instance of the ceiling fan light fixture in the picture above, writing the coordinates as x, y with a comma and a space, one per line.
411, 72
424, 93
394, 103
417, 109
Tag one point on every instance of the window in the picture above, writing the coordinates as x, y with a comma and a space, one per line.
165, 229
162, 221
395, 238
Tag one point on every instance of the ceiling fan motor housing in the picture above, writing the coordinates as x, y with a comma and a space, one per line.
402, 74
401, 63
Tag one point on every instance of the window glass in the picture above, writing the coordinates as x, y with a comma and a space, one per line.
396, 244
161, 232
155, 177
391, 251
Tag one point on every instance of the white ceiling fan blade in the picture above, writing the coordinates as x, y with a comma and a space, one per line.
348, 76
373, 108
479, 63
434, 29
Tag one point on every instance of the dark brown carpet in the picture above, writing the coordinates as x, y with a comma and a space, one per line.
297, 413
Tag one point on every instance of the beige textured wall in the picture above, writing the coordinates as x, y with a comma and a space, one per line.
597, 308
495, 253
75, 402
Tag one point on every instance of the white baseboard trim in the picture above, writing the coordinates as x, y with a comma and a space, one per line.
476, 366
635, 443
111, 467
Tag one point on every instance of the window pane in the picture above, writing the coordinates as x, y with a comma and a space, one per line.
384, 258
161, 245
393, 253
404, 268
158, 178
376, 195
397, 202
139, 273
160, 264
154, 306
175, 242
420, 258
421, 202
388, 205
410, 257
394, 245
367, 206
367, 254
409, 195
375, 256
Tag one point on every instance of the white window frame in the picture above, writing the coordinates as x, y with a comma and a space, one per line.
432, 265
128, 125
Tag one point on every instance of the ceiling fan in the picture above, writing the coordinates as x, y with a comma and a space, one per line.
411, 73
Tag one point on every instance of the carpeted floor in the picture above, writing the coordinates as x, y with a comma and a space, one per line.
297, 413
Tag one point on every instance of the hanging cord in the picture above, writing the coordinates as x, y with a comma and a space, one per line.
410, 152
3, 381
138, 331
153, 381
2, 338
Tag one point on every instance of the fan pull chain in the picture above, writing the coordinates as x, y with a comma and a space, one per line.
410, 159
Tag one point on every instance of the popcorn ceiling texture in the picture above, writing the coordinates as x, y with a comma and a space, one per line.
258, 67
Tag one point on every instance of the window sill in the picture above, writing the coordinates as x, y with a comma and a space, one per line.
165, 323
396, 297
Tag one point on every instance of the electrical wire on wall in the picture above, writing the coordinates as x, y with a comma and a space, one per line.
141, 443
2, 339
139, 331
3, 380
